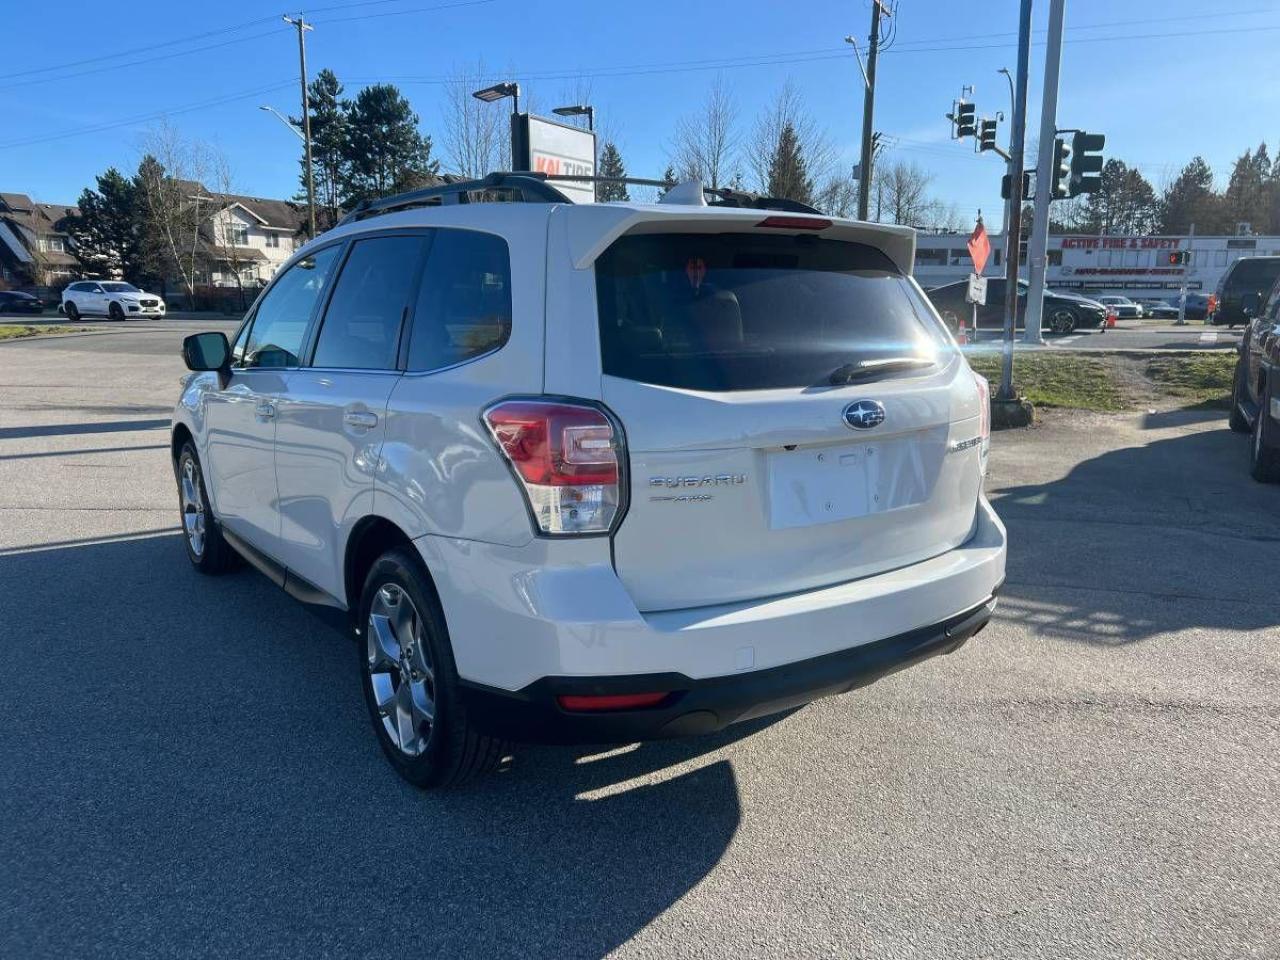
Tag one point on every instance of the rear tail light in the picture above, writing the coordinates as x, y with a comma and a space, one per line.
984, 417
565, 456
795, 223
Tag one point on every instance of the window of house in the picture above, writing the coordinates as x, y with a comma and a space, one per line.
464, 301
280, 324
237, 233
53, 245
273, 240
361, 329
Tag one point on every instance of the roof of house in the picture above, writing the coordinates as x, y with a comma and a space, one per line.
32, 215
277, 214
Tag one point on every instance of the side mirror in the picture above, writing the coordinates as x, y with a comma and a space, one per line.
208, 351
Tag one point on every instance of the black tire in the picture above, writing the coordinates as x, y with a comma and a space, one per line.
210, 554
1235, 419
115, 311
1264, 446
1063, 320
72, 311
452, 750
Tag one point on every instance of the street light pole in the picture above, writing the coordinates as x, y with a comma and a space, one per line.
1046, 177
1017, 146
868, 109
303, 27
285, 120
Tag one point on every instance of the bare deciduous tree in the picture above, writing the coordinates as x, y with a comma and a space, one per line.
901, 193
706, 142
788, 108
222, 225
171, 195
477, 135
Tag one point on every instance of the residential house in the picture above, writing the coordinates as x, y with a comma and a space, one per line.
35, 248
248, 236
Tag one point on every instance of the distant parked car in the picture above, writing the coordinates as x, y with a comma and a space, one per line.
1122, 307
1243, 288
13, 301
110, 298
1063, 312
1255, 395
1159, 309
1197, 305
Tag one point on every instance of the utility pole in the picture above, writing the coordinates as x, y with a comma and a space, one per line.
1046, 177
1017, 147
303, 27
868, 108
1186, 269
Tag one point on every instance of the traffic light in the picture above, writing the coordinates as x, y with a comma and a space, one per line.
1179, 258
966, 119
1006, 186
1086, 163
986, 135
1060, 171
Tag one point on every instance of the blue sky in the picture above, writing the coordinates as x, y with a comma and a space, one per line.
1163, 79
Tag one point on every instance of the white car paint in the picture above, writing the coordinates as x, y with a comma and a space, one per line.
96, 298
705, 590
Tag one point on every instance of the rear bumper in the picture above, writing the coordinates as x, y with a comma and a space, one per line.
528, 623
692, 707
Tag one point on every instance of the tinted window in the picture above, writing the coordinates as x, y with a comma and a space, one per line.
120, 288
361, 328
752, 311
464, 302
281, 321
1255, 274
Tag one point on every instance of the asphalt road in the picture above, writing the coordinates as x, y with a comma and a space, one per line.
1130, 335
186, 768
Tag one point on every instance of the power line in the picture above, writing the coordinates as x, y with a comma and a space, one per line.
400, 13
150, 60
144, 118
143, 49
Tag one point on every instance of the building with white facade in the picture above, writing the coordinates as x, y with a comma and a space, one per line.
246, 236
1136, 266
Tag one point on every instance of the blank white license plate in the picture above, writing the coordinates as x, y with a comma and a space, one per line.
829, 484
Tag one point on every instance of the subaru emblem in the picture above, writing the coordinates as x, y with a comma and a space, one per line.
864, 414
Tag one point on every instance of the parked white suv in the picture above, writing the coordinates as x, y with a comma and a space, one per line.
599, 472
109, 298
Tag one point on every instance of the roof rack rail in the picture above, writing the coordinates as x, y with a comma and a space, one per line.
524, 187
532, 187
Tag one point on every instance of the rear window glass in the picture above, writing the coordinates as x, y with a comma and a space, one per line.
1255, 273
752, 312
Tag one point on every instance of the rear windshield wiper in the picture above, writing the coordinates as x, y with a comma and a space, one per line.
866, 369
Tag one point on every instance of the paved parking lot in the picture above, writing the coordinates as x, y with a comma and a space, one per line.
186, 768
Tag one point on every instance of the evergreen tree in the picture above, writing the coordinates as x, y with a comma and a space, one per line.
669, 175
1249, 191
1191, 199
384, 153
788, 172
611, 166
1126, 203
330, 129
108, 229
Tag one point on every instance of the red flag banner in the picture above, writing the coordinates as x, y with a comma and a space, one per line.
979, 247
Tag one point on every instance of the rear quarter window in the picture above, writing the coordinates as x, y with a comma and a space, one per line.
722, 312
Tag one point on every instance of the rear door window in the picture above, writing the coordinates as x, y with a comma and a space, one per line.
464, 300
281, 322
731, 311
361, 328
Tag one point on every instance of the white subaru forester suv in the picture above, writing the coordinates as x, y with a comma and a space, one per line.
596, 472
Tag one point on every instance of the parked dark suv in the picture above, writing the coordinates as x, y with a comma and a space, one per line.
1063, 312
1243, 288
1255, 400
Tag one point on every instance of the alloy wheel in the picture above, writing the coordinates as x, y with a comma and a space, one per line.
401, 674
193, 519
1062, 321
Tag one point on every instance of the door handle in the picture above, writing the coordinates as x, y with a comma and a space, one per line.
265, 410
360, 419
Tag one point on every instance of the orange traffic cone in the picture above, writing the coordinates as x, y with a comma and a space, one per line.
962, 335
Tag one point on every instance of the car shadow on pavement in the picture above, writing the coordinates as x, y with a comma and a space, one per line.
75, 429
1144, 540
189, 769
